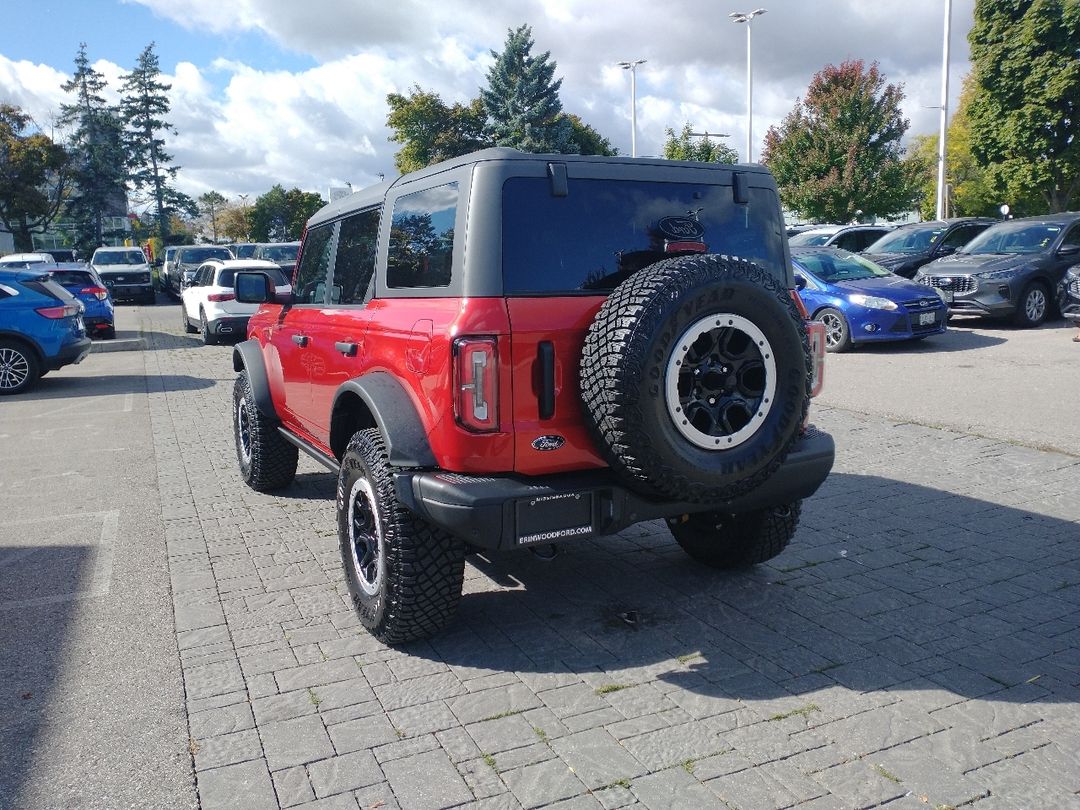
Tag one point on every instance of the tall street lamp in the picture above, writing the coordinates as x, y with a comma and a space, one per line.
632, 67
747, 17
942, 127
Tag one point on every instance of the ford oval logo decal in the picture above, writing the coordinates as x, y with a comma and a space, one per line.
682, 228
544, 443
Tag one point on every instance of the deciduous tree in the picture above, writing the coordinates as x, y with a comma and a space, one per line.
685, 147
1025, 109
280, 215
837, 156
430, 130
210, 205
34, 174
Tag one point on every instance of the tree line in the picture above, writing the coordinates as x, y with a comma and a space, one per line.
838, 156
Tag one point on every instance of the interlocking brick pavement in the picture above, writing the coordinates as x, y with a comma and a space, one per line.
916, 645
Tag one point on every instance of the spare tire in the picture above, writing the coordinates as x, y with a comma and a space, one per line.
695, 378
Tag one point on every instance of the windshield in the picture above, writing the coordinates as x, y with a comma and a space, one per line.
908, 240
1014, 237
73, 278
836, 266
280, 253
120, 257
809, 238
244, 251
199, 255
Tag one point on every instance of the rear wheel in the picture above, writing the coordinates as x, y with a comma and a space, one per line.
267, 461
724, 540
1033, 306
837, 331
404, 574
191, 330
208, 337
19, 367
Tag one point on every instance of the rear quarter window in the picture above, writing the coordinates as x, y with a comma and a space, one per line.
602, 231
422, 238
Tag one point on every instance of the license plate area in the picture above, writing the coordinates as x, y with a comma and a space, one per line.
549, 518
926, 318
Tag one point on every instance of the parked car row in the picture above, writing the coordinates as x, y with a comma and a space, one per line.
181, 263
1016, 269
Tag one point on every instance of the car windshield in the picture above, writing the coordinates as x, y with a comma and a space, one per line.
244, 251
73, 278
120, 257
809, 238
280, 253
1014, 237
908, 240
833, 266
198, 255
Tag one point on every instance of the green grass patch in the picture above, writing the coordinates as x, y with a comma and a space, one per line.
890, 776
686, 659
688, 766
800, 566
805, 712
313, 696
608, 688
490, 760
501, 715
540, 733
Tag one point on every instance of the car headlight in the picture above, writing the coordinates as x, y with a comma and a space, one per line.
871, 301
994, 275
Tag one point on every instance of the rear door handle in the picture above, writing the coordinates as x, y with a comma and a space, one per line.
300, 340
347, 349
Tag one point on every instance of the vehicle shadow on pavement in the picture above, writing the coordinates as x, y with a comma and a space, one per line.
38, 586
62, 388
886, 586
950, 341
159, 341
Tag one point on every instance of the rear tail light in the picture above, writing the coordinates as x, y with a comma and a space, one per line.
55, 313
815, 330
100, 293
226, 296
476, 383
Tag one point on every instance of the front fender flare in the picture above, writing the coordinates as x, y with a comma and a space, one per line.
247, 356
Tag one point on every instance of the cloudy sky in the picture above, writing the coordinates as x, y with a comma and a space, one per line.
294, 92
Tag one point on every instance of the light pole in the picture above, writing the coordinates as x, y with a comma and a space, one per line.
940, 213
748, 17
632, 67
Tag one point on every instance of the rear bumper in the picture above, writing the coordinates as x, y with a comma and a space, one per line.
229, 326
511, 511
69, 353
131, 292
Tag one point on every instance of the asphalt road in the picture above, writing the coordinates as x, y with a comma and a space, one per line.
981, 377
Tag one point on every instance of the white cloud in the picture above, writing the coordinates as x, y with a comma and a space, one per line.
242, 127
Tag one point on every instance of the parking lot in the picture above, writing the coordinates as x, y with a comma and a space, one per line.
173, 639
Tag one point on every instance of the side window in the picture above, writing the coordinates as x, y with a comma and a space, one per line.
849, 241
355, 262
962, 235
422, 238
1072, 236
310, 283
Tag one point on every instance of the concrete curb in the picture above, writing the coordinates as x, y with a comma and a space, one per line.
125, 341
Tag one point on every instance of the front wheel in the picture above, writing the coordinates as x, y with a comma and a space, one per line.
724, 540
267, 461
837, 331
404, 574
19, 367
1033, 306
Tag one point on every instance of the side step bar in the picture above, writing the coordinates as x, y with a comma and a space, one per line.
329, 462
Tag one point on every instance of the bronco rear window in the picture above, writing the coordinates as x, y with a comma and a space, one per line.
602, 231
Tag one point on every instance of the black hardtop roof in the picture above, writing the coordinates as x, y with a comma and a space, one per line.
374, 194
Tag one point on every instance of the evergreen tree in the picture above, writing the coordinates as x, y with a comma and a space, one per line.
143, 106
837, 155
98, 160
681, 147
1024, 113
522, 101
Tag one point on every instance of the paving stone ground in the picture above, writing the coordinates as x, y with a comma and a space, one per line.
915, 647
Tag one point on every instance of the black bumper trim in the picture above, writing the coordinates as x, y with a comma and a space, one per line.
69, 354
486, 510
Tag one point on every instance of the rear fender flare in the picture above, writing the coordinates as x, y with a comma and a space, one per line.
390, 407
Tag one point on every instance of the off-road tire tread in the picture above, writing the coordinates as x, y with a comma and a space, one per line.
613, 363
273, 458
425, 565
740, 540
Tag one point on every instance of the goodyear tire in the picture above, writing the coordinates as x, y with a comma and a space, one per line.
733, 541
404, 574
695, 378
267, 461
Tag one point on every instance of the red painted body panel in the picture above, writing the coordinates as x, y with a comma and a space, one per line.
563, 321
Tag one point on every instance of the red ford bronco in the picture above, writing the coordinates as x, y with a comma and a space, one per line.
509, 350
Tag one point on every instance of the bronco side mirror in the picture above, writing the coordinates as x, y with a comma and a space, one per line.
254, 287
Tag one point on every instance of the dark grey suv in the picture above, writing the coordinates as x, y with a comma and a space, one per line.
1009, 270
906, 249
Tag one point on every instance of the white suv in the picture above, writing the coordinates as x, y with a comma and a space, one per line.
208, 304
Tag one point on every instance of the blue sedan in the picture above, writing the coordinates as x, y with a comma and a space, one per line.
861, 302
